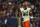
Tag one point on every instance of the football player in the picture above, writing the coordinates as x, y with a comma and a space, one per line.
25, 10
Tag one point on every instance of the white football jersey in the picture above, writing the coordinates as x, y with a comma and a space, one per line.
25, 14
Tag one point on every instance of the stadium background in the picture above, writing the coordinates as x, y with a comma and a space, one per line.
10, 11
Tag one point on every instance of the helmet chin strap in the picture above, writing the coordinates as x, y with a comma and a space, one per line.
25, 8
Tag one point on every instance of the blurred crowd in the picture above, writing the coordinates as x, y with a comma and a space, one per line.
11, 9
8, 7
